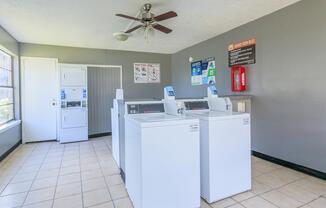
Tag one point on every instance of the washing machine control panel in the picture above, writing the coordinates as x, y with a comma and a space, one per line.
145, 108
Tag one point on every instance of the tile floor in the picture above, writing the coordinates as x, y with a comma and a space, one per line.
44, 175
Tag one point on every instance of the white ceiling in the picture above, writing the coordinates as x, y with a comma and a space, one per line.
91, 23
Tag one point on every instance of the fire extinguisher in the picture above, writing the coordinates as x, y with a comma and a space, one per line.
238, 78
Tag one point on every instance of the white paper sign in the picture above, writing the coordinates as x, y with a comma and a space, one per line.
147, 73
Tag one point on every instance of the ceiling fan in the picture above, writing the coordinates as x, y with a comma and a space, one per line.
149, 21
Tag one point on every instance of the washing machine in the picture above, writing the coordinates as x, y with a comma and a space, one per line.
162, 157
225, 147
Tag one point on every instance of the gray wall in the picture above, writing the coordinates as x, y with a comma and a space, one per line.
109, 57
9, 138
102, 83
7, 41
12, 136
289, 113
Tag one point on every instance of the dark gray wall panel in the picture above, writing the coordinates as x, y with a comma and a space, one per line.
289, 104
9, 138
102, 84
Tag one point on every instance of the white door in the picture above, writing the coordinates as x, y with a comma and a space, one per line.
39, 97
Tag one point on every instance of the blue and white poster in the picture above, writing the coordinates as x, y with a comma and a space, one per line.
203, 72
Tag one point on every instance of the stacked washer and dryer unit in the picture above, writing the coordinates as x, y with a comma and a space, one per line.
73, 112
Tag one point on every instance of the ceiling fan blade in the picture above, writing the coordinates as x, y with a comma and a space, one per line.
134, 28
162, 28
128, 17
165, 16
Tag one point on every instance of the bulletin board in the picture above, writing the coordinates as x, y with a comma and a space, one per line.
147, 73
203, 72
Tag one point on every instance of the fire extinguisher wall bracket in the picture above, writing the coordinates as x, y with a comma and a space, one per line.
238, 78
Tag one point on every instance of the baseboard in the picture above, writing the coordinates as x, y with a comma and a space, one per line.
2, 157
123, 176
100, 135
291, 165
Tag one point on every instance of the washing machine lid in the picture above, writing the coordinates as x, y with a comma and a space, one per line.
211, 115
160, 119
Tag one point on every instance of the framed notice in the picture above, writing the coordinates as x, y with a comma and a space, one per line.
203, 72
242, 53
147, 73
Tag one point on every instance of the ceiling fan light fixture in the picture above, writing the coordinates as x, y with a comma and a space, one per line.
121, 36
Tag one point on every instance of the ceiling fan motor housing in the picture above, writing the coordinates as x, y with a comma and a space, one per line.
147, 17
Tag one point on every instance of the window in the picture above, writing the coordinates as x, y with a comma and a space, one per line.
6, 88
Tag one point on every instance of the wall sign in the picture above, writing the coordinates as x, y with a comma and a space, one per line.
147, 73
203, 72
242, 53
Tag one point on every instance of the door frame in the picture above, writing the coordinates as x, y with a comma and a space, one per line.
101, 66
22, 87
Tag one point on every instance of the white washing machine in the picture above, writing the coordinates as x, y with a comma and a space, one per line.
117, 125
225, 146
162, 157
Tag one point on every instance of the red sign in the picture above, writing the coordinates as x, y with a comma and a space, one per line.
242, 44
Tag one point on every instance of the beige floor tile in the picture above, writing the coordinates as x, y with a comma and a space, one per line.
89, 166
281, 200
270, 180
259, 188
74, 201
93, 184
48, 173
50, 166
306, 206
44, 183
96, 197
30, 168
14, 200
123, 203
46, 204
255, 173
311, 186
297, 193
256, 159
15, 188
236, 206
265, 167
71, 178
40, 195
69, 170
86, 175
68, 189
118, 191
257, 202
105, 205
70, 163
243, 196
107, 171
318, 203
286, 174
223, 203
114, 180
22, 177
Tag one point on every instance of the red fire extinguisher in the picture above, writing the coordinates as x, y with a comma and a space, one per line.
238, 78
